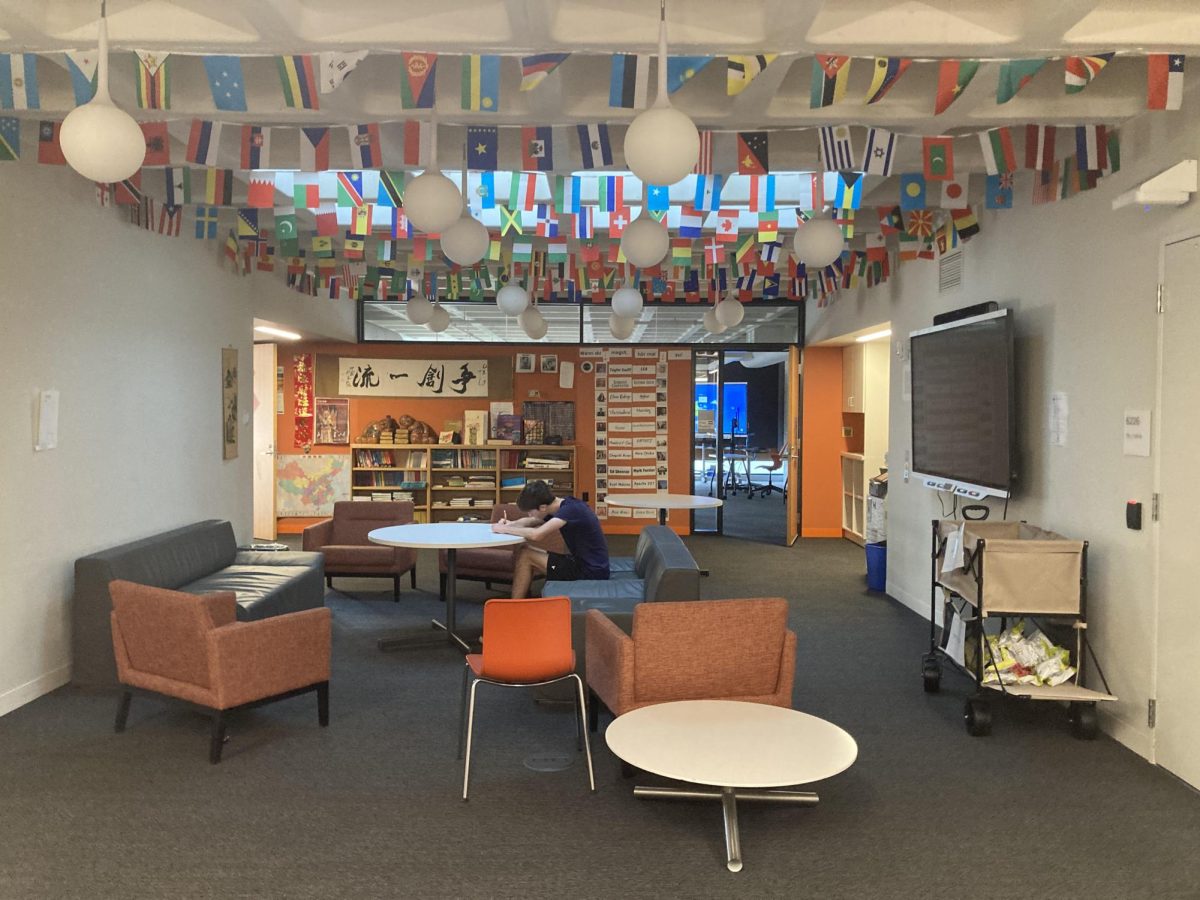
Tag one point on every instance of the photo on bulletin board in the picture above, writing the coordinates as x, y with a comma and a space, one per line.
549, 362
333, 421
229, 402
525, 363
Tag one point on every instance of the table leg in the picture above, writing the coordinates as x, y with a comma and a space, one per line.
733, 846
451, 636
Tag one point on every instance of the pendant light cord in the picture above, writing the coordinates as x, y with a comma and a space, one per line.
661, 99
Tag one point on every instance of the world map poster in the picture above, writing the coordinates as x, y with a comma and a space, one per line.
309, 485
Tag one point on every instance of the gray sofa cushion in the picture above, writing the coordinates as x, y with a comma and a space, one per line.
586, 594
267, 590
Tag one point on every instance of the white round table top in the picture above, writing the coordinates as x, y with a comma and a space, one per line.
442, 536
664, 501
731, 744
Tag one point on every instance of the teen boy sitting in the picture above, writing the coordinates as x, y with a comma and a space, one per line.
587, 555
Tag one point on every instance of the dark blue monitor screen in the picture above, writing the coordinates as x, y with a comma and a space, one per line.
735, 405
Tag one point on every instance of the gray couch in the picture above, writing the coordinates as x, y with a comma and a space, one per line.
198, 559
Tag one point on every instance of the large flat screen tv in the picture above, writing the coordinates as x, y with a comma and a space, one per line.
963, 406
733, 420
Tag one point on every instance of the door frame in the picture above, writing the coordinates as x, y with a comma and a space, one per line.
264, 526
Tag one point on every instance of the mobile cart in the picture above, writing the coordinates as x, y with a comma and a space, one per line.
1018, 570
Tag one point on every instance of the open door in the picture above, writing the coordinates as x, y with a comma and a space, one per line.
794, 394
264, 442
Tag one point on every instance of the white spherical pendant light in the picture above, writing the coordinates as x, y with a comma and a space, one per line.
432, 202
419, 310
465, 242
439, 319
662, 145
533, 323
729, 312
512, 300
621, 327
645, 242
627, 303
99, 139
711, 324
818, 243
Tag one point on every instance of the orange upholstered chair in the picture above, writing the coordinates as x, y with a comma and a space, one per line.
526, 643
343, 542
693, 650
191, 647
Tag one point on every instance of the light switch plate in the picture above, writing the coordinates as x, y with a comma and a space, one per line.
847, 431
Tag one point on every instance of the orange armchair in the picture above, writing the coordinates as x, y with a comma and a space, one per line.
693, 650
192, 648
343, 542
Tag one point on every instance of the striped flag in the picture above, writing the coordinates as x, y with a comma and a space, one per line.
418, 142
365, 152
704, 165
762, 193
18, 81
170, 220
812, 191
256, 147
611, 192
848, 191
82, 65
741, 70
690, 222
567, 189
594, 146
1039, 147
888, 70
878, 154
1078, 71
522, 190
630, 80
830, 76
953, 77
1091, 148
998, 154
534, 69
218, 187
480, 83
152, 77
1164, 80
420, 73
837, 151
583, 223
708, 192
299, 82
537, 148
203, 142
390, 192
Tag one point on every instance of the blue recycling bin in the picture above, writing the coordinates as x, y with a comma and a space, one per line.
877, 566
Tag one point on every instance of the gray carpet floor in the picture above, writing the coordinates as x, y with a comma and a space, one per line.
370, 806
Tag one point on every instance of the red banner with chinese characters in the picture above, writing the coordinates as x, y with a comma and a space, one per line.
302, 397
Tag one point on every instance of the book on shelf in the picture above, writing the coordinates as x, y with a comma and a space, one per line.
509, 427
500, 442
546, 462
475, 426
512, 481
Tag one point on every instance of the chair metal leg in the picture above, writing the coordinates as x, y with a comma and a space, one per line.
579, 724
122, 711
470, 734
323, 704
587, 746
217, 737
462, 711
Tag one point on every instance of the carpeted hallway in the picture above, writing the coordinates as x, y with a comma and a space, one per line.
370, 806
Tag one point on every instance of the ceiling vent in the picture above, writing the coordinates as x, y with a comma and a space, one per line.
950, 272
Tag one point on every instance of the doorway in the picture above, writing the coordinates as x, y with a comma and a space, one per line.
263, 514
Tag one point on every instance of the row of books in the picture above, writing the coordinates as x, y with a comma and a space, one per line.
385, 495
389, 459
546, 462
389, 480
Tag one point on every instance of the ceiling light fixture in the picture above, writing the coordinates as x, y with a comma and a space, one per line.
819, 242
873, 336
277, 332
729, 312
432, 201
99, 139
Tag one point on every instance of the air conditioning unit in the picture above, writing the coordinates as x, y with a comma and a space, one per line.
1173, 187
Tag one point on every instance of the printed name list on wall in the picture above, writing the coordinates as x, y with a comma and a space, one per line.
412, 377
631, 426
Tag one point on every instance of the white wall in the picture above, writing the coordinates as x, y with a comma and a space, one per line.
1082, 281
129, 326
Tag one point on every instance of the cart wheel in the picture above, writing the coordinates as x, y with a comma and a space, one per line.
977, 715
931, 674
1084, 723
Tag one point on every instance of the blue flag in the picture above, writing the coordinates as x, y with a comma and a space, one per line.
226, 82
658, 198
681, 68
912, 191
999, 191
708, 193
82, 66
487, 190
483, 143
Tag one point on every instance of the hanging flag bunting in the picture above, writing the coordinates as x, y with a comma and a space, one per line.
812, 192
888, 70
998, 154
953, 77
878, 154
762, 193
567, 190
178, 186
727, 225
965, 223
158, 144
618, 221
1039, 147
247, 223
334, 67
203, 142
848, 190
226, 83
690, 222
1114, 154
611, 192
708, 192
938, 157
129, 191
350, 189
218, 187
837, 151
1014, 75
1091, 148
537, 148
919, 223
522, 191
206, 222
152, 77
534, 69
891, 220
583, 224
1164, 80
480, 83
594, 146
256, 147
954, 193
299, 81
314, 149
658, 199
681, 69
741, 70
1078, 71
628, 85
18, 81
49, 149
418, 142
999, 194
285, 230
830, 76
752, 153
704, 164
82, 66
768, 232
483, 147
420, 74
391, 189
912, 191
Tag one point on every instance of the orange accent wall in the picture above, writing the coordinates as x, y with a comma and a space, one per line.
821, 506
435, 412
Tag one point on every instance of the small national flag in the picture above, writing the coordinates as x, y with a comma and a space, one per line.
919, 223
170, 220
49, 150
891, 220
522, 191
1039, 147
681, 252
1091, 148
218, 187
334, 67
812, 192
999, 192
768, 228
129, 191
611, 192
953, 77
18, 81
583, 224
954, 193
203, 142
350, 189
629, 82
1045, 185
681, 69
420, 73
741, 70
837, 151
594, 146
82, 66
537, 148
762, 193
1114, 153
830, 76
939, 157
704, 164
152, 77
418, 142
206, 222
879, 152
912, 191
752, 153
256, 147
1078, 71
690, 222
708, 192
314, 149
483, 143
1164, 80
848, 191
534, 69
965, 222
1014, 75
845, 219
178, 186
158, 144
998, 154
658, 198
299, 81
567, 189
365, 151
226, 83
727, 225
480, 83
888, 70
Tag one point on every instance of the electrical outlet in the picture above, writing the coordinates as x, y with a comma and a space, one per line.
847, 431
534, 393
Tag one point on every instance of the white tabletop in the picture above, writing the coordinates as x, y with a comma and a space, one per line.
731, 744
442, 536
663, 501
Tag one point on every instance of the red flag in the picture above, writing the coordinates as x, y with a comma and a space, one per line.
1039, 147
49, 150
158, 145
416, 138
261, 191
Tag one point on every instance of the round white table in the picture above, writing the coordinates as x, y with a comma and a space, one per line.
663, 502
448, 536
744, 750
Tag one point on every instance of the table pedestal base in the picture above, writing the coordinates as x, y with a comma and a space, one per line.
450, 635
729, 797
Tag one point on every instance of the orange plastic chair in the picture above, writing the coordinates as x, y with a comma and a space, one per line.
526, 643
